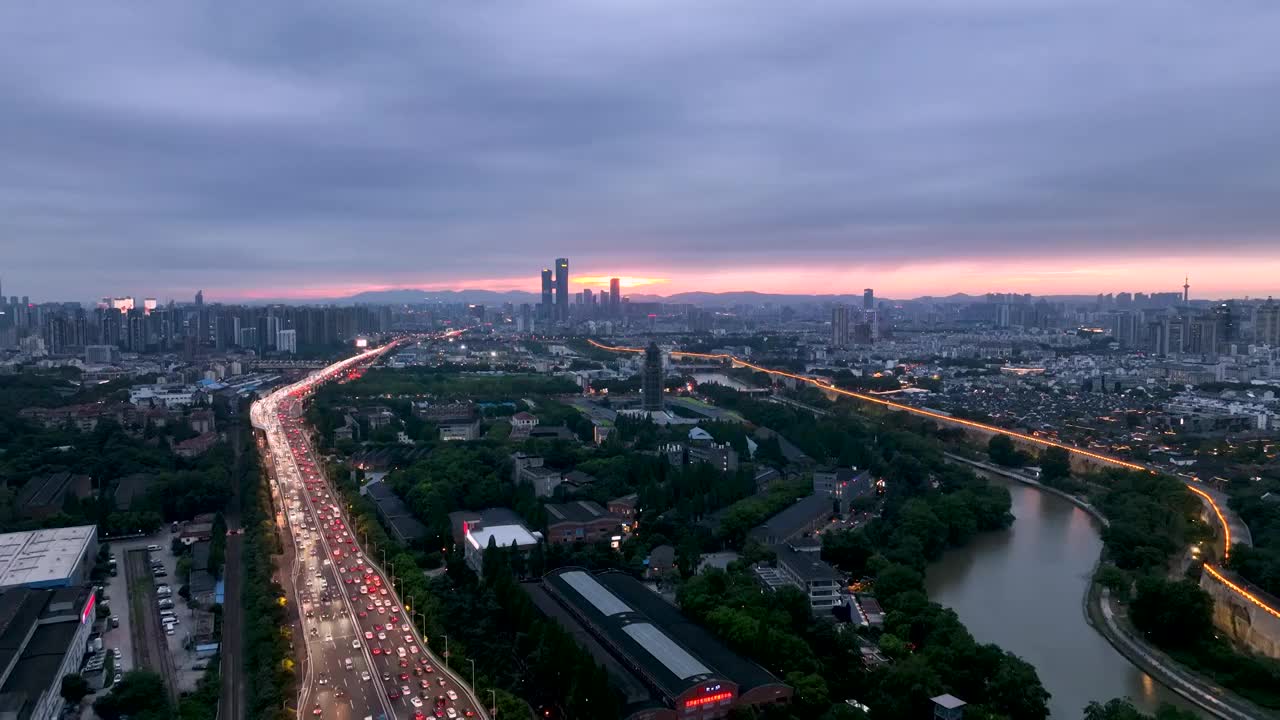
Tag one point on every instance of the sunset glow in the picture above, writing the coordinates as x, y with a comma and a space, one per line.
1210, 277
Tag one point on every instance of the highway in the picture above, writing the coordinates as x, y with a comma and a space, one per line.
364, 657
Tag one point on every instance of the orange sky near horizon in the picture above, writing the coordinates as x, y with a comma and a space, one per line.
1210, 277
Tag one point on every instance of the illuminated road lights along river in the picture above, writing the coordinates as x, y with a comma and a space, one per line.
1105, 459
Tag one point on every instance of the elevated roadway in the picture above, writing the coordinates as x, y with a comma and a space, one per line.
364, 657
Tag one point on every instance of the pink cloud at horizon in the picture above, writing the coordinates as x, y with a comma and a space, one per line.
1210, 277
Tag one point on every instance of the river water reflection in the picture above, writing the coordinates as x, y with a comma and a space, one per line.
1023, 589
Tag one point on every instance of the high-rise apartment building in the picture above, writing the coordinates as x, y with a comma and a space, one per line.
1266, 323
615, 297
287, 341
546, 311
840, 326
868, 299
651, 382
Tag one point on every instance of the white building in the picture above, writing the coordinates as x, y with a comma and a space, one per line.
477, 541
57, 557
287, 341
163, 395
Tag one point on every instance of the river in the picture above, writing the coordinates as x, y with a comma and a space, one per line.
1023, 589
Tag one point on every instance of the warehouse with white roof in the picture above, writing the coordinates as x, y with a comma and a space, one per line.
57, 557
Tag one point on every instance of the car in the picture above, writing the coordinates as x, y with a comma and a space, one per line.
413, 649
386, 676
419, 716
382, 611
368, 635
450, 713
404, 676
393, 694
382, 591
417, 702
404, 663
404, 627
116, 652
355, 644
404, 690
382, 636
468, 712
365, 676
316, 710
408, 639
117, 678
363, 614
452, 695
377, 651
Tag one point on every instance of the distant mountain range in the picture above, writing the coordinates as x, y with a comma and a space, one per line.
703, 299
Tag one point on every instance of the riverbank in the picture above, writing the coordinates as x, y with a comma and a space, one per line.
1005, 472
1103, 615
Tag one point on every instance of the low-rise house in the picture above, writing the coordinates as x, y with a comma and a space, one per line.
842, 484
460, 431
378, 417
529, 469
625, 506
196, 446
578, 480
394, 513
582, 521
806, 572
45, 496
522, 423
202, 420
798, 519
661, 561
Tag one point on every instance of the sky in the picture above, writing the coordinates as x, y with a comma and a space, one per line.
274, 150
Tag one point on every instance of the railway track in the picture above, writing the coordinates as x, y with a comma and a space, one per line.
150, 651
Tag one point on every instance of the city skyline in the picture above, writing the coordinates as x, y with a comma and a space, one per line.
815, 150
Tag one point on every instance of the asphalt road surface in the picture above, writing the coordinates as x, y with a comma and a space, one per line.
365, 658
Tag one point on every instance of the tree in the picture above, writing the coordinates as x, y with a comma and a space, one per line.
1174, 614
140, 695
1055, 465
811, 689
1123, 709
1116, 580
1002, 451
74, 688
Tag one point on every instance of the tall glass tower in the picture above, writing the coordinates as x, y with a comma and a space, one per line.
562, 289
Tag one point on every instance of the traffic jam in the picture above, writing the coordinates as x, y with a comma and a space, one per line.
384, 636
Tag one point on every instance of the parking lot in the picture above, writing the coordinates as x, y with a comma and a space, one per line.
138, 645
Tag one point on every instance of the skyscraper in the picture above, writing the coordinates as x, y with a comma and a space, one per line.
868, 299
545, 310
1266, 324
199, 298
615, 297
651, 382
840, 326
562, 289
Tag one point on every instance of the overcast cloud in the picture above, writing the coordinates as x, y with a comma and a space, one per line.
154, 148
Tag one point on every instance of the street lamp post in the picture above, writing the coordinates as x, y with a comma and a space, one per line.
473, 674
494, 695
446, 651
